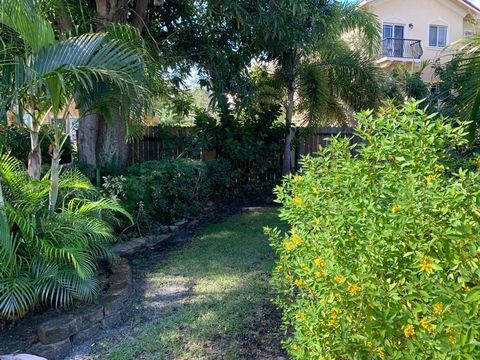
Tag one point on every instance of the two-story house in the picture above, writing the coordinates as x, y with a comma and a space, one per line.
416, 30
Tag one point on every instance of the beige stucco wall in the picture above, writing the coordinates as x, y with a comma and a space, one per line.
417, 15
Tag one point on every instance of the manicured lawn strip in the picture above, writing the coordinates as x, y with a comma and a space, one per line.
226, 314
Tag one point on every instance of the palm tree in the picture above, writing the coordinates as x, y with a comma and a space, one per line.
328, 73
48, 73
467, 101
47, 257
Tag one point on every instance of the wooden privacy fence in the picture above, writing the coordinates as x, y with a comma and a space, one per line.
319, 137
170, 143
160, 143
311, 140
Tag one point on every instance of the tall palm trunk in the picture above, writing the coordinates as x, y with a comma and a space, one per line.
54, 176
35, 154
287, 155
3, 213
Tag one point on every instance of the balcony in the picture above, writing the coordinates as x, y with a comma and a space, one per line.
403, 49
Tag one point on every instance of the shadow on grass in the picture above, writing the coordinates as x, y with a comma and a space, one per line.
209, 299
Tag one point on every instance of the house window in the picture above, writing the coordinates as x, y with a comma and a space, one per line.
468, 34
437, 36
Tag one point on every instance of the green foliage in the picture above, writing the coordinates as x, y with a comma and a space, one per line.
49, 258
381, 260
169, 190
401, 83
16, 140
251, 144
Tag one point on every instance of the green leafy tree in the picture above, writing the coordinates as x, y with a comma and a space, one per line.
459, 86
48, 75
319, 67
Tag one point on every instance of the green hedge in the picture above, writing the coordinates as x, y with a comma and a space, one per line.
382, 259
169, 190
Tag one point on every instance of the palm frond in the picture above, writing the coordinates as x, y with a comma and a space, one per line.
22, 17
364, 23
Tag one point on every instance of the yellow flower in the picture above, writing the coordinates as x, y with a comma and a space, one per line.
426, 265
298, 201
353, 289
440, 168
294, 346
298, 178
380, 352
466, 287
452, 340
298, 282
319, 274
369, 344
448, 330
289, 245
316, 191
409, 330
438, 308
339, 279
303, 265
318, 221
278, 268
333, 323
319, 262
288, 277
425, 324
296, 239
300, 316
396, 208
430, 178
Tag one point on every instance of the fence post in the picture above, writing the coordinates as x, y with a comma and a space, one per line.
297, 149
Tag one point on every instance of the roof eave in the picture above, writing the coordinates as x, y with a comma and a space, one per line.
466, 3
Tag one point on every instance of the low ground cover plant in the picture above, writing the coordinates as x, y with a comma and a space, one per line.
382, 258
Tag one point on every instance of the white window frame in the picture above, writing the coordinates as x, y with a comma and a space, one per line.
447, 35
393, 24
468, 34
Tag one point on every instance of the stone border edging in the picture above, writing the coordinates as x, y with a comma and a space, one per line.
132, 247
55, 337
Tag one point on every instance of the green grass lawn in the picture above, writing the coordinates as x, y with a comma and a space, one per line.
211, 298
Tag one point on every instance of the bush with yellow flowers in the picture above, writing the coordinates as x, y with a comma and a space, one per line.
382, 260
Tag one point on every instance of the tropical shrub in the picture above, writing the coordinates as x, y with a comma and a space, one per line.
49, 257
251, 144
169, 190
382, 258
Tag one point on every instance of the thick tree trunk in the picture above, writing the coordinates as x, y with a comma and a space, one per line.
87, 141
112, 147
35, 154
112, 11
287, 155
62, 20
139, 15
54, 177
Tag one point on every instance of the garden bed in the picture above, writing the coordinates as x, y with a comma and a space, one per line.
52, 334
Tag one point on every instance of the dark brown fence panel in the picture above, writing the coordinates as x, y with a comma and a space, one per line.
319, 138
158, 144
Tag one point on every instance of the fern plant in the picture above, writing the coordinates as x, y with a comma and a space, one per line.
49, 258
